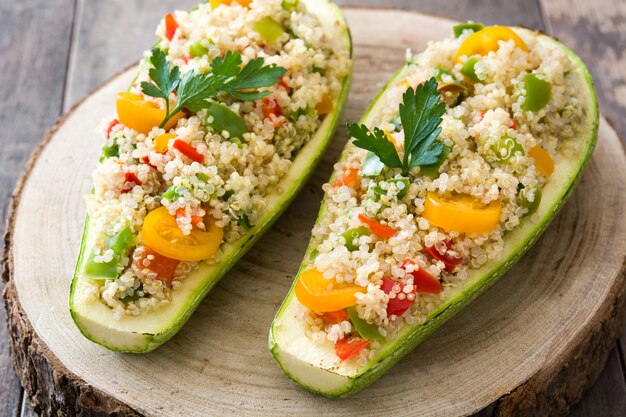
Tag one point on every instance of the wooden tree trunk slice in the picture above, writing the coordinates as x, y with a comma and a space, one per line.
531, 345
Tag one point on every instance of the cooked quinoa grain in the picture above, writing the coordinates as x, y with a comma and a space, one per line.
223, 181
491, 141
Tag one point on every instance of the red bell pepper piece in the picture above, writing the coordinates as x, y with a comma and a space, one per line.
449, 261
396, 306
110, 127
349, 347
334, 317
164, 267
376, 227
188, 150
170, 26
423, 281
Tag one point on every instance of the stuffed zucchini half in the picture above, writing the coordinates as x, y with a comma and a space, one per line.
228, 116
458, 167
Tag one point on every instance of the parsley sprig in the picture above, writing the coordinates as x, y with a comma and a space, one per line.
195, 90
420, 115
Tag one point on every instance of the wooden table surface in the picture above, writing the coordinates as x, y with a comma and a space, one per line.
56, 51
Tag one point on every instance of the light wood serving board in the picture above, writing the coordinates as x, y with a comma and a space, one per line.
531, 345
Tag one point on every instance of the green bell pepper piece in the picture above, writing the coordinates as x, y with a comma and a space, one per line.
307, 111
224, 119
532, 206
351, 234
98, 270
468, 69
290, 5
122, 241
367, 330
538, 93
442, 71
474, 26
379, 191
110, 149
171, 193
506, 147
197, 50
269, 29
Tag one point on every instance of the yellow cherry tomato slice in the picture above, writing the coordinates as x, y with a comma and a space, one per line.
162, 141
543, 160
161, 233
323, 295
325, 106
140, 114
486, 40
461, 213
216, 3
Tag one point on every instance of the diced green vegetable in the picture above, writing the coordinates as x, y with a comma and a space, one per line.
269, 29
433, 170
473, 26
506, 147
401, 183
442, 71
290, 5
171, 193
372, 165
538, 92
228, 194
244, 220
122, 241
355, 233
224, 119
367, 330
110, 149
532, 206
133, 297
397, 123
468, 69
197, 50
307, 111
99, 270
237, 142
202, 177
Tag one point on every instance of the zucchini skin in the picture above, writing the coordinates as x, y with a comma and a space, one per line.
417, 334
144, 341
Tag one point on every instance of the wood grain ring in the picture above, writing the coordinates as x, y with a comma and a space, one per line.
551, 390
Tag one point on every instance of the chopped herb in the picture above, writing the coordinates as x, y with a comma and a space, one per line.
420, 115
228, 194
194, 90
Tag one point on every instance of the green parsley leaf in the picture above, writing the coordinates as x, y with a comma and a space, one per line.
195, 90
253, 76
420, 115
376, 142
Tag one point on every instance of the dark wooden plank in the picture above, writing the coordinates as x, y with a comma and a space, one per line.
607, 398
109, 36
597, 32
35, 43
27, 410
521, 12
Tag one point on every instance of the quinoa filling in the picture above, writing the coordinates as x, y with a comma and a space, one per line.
393, 242
168, 195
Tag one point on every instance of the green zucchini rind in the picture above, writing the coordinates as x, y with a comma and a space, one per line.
147, 332
305, 364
